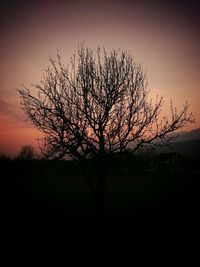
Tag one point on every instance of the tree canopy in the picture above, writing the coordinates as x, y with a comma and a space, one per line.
98, 104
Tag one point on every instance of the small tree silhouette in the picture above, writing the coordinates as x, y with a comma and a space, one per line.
27, 152
97, 106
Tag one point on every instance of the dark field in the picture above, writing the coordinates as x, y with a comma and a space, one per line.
42, 199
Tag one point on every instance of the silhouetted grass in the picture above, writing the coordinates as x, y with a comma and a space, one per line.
52, 198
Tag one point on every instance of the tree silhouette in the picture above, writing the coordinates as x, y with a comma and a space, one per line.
27, 152
97, 106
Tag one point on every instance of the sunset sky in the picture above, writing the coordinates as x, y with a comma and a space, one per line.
163, 35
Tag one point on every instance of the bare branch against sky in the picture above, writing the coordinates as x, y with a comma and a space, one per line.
164, 35
98, 104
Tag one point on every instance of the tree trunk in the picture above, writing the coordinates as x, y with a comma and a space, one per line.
98, 193
100, 199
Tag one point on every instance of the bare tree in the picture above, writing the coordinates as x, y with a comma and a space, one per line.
98, 105
27, 152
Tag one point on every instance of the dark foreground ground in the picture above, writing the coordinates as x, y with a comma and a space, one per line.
51, 199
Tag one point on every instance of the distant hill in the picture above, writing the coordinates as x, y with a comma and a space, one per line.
186, 144
188, 136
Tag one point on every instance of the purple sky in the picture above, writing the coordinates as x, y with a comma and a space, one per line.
164, 35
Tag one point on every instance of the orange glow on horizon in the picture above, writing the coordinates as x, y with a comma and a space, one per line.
164, 37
